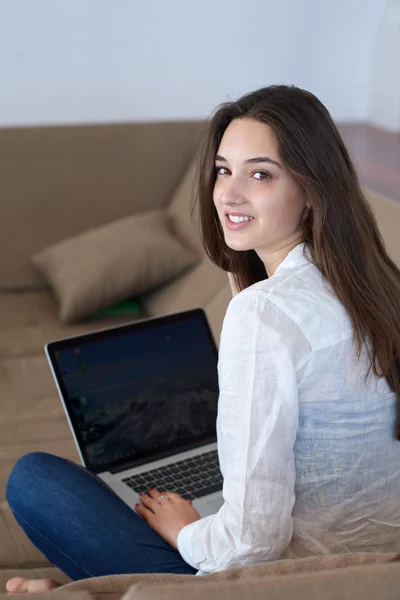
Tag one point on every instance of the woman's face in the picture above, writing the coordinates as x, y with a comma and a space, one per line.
252, 182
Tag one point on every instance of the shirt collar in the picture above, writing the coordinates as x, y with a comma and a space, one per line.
296, 257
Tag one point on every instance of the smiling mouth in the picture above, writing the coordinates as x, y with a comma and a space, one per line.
234, 223
239, 218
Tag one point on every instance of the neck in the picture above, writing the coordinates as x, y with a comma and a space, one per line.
273, 256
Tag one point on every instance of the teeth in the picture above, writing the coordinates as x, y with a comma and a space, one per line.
240, 219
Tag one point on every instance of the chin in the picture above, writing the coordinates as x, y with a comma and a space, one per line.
238, 245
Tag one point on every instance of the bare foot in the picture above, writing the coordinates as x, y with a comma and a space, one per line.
18, 585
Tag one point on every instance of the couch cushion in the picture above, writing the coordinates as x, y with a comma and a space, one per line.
48, 595
387, 213
111, 587
19, 309
197, 288
32, 418
108, 264
385, 209
366, 583
179, 213
15, 547
391, 236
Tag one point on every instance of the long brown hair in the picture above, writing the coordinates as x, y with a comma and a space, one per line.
340, 230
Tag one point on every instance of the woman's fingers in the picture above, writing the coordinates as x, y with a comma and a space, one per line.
153, 493
154, 498
149, 500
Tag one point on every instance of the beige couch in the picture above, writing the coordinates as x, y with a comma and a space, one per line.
55, 183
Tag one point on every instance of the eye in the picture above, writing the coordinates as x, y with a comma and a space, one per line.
262, 175
221, 170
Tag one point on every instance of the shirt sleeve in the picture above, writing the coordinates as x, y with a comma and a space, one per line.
256, 426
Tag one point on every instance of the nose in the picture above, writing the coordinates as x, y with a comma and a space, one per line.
231, 194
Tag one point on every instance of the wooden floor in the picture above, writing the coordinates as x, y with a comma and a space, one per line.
376, 154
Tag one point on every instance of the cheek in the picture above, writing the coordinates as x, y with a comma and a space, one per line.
217, 193
283, 208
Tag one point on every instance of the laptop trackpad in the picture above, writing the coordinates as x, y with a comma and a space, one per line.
209, 505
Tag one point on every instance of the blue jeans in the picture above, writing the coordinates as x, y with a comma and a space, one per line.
81, 525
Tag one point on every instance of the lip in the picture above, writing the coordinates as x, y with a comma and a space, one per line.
237, 226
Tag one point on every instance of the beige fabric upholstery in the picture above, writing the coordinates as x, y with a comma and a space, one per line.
57, 182
31, 416
49, 596
367, 583
112, 587
28, 321
184, 224
387, 213
15, 547
385, 209
197, 288
107, 264
353, 582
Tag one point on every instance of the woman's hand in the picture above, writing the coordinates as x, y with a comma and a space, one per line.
167, 513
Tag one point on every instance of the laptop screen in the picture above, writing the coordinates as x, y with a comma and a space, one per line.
139, 392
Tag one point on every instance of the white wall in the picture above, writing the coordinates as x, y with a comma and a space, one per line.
72, 61
384, 104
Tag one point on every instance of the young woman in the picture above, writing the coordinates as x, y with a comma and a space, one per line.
309, 370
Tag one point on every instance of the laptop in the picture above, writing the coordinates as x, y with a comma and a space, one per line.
141, 401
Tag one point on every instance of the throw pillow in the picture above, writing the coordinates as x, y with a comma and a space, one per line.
111, 263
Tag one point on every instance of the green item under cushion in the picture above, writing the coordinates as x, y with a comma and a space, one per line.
125, 307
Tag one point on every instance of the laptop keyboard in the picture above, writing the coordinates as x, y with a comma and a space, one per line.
191, 478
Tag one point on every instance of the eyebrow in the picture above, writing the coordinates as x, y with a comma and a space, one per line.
256, 159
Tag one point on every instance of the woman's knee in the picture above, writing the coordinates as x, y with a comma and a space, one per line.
29, 473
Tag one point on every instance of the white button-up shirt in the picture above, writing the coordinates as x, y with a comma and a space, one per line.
306, 443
